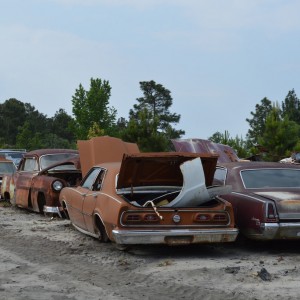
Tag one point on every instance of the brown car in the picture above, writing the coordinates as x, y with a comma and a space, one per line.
40, 177
151, 198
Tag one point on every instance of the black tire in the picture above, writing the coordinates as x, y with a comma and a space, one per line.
41, 202
103, 237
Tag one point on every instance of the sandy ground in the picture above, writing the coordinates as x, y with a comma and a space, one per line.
46, 258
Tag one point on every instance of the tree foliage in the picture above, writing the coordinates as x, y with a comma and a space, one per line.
150, 121
258, 120
91, 106
280, 135
143, 131
291, 107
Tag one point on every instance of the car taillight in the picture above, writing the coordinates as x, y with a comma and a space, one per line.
271, 212
133, 217
220, 217
151, 218
142, 218
203, 218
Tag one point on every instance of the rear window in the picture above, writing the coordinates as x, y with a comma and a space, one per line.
274, 178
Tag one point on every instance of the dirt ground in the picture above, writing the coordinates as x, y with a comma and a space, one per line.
46, 258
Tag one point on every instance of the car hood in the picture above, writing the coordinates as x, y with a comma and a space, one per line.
103, 149
225, 152
287, 203
161, 169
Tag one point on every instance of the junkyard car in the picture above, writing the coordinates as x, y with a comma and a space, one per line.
40, 177
151, 198
265, 197
7, 167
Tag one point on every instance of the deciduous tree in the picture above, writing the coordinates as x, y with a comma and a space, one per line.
92, 106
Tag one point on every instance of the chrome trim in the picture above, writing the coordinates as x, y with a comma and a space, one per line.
52, 210
161, 236
271, 231
85, 231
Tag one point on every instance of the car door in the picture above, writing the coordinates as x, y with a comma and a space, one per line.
77, 205
24, 179
91, 199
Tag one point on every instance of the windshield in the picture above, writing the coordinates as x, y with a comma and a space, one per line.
7, 168
274, 178
51, 159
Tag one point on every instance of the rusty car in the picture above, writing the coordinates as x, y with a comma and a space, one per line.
7, 167
148, 198
265, 197
40, 177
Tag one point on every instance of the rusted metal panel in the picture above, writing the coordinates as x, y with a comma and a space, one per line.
225, 152
103, 149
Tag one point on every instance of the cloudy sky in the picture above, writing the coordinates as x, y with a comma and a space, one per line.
218, 58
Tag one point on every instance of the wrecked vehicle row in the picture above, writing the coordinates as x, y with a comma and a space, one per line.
203, 193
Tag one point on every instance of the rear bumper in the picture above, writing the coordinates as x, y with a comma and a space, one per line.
174, 237
270, 231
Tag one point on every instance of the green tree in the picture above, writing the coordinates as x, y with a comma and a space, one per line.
12, 116
150, 121
157, 100
291, 107
60, 125
258, 120
280, 135
143, 131
91, 107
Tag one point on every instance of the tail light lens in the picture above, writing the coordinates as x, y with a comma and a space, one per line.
133, 218
213, 218
202, 218
220, 217
143, 218
271, 212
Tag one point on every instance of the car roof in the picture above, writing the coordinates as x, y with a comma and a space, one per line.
256, 165
40, 152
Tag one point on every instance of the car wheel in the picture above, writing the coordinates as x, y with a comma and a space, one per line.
100, 229
64, 212
41, 202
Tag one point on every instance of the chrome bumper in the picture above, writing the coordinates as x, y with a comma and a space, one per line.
270, 231
174, 237
52, 210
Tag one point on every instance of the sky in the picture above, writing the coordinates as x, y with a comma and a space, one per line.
219, 58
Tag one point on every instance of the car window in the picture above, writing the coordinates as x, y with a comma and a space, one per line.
30, 164
91, 178
275, 178
7, 168
219, 176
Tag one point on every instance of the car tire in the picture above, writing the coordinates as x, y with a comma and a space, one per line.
100, 230
41, 202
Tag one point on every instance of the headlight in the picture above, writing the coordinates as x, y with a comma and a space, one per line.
57, 185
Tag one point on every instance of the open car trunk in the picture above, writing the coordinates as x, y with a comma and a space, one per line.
167, 179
